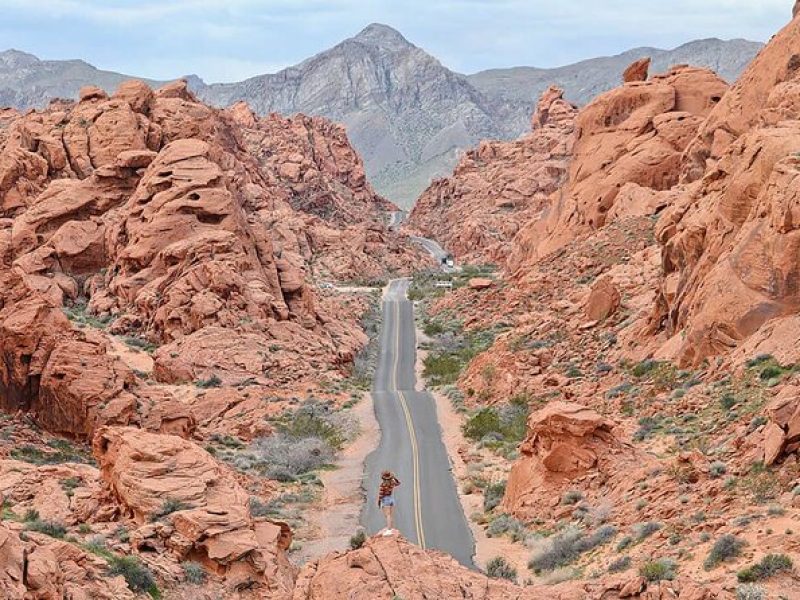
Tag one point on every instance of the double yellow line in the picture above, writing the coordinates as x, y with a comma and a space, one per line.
410, 426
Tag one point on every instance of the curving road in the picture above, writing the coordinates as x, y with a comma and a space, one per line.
428, 510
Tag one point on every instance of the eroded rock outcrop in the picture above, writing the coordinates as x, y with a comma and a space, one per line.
635, 134
499, 186
730, 237
152, 216
211, 523
566, 442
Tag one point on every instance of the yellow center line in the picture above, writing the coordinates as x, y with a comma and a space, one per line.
411, 433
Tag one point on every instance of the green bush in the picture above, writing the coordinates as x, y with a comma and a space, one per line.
168, 507
658, 570
725, 548
571, 497
750, 591
770, 565
500, 568
565, 548
138, 577
493, 495
51, 528
358, 539
484, 422
193, 572
717, 469
623, 563
212, 382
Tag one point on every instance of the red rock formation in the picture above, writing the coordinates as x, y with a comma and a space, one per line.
637, 71
566, 444
730, 238
634, 134
177, 224
497, 187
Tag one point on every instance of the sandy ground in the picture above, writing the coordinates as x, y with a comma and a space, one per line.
457, 446
333, 520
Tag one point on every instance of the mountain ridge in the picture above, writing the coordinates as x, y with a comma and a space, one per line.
406, 113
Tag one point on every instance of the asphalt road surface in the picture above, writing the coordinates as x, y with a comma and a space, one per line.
428, 512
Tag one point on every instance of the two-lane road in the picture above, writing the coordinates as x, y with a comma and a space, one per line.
428, 510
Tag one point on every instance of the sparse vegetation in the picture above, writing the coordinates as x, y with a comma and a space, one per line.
493, 495
717, 469
57, 452
138, 343
505, 524
193, 572
358, 539
642, 531
565, 548
572, 497
750, 591
496, 427
623, 563
52, 528
500, 568
212, 382
725, 548
138, 577
770, 565
658, 570
168, 507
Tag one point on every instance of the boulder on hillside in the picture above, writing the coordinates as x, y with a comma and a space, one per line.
637, 71
604, 300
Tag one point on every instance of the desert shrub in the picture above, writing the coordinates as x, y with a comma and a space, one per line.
30, 515
58, 451
283, 457
770, 565
507, 423
193, 572
138, 577
644, 530
357, 539
484, 422
658, 570
647, 427
725, 548
493, 495
212, 382
52, 528
624, 543
499, 568
319, 420
169, 506
572, 497
717, 469
503, 524
750, 591
623, 563
565, 548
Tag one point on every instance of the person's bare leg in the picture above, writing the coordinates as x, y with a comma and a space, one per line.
387, 513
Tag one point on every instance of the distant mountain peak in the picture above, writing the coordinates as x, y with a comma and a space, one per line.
14, 59
378, 34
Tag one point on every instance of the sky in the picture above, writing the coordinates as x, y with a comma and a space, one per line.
229, 40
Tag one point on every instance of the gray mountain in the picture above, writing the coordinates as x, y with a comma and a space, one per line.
407, 114
584, 80
27, 82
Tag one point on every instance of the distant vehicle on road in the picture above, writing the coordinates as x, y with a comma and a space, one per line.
444, 284
448, 261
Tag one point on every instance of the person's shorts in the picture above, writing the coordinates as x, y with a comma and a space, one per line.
387, 501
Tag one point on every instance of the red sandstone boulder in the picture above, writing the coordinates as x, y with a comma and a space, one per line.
604, 300
637, 71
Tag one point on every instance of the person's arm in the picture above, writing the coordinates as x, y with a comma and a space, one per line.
396, 482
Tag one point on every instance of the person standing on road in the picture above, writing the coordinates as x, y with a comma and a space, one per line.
386, 498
